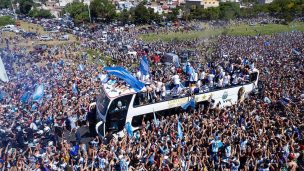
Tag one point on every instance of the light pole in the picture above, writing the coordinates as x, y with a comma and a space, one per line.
89, 12
14, 9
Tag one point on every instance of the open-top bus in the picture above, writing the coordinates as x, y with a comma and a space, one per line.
114, 108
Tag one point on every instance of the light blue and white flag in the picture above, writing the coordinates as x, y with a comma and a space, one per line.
179, 130
80, 67
156, 122
25, 97
144, 65
122, 73
129, 129
74, 88
38, 94
103, 78
295, 51
3, 75
190, 103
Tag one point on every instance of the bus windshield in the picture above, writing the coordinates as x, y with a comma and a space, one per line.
102, 102
117, 114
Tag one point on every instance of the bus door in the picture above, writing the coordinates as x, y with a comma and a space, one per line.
117, 114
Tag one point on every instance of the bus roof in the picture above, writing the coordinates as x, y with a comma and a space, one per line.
114, 92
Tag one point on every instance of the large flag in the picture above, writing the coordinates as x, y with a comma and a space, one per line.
179, 130
129, 129
126, 76
190, 103
74, 88
3, 75
144, 66
38, 94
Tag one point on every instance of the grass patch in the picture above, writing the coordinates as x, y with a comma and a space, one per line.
180, 36
246, 30
239, 30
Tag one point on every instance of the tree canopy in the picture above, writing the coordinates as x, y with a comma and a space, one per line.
102, 9
78, 11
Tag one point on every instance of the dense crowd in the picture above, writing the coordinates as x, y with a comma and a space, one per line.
265, 132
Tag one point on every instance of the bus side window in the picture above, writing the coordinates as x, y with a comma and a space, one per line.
140, 99
136, 100
137, 120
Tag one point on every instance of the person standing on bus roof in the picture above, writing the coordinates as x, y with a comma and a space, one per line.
176, 82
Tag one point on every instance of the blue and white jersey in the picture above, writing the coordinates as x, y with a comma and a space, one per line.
216, 144
102, 163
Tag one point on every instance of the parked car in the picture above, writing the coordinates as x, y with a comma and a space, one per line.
45, 38
64, 37
29, 34
40, 48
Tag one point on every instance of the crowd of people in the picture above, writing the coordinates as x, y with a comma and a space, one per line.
265, 132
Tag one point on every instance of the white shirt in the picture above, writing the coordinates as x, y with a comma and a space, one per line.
202, 75
176, 79
163, 89
33, 126
210, 77
158, 86
226, 79
138, 74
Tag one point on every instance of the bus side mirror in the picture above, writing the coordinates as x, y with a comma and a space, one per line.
100, 128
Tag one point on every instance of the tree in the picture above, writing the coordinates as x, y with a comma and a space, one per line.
124, 16
25, 6
102, 9
212, 13
78, 11
141, 14
41, 13
229, 10
5, 4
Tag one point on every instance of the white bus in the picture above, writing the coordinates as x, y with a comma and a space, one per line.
114, 107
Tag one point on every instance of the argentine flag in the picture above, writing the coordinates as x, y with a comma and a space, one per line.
144, 65
129, 129
3, 75
190, 103
38, 94
80, 67
75, 89
179, 130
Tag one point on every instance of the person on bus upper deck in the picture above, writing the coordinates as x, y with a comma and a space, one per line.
210, 79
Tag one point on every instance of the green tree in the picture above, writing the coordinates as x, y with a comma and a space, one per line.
41, 13
212, 13
141, 14
229, 10
102, 9
25, 6
124, 16
78, 11
5, 4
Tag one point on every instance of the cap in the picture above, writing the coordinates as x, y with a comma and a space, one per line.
292, 156
301, 147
